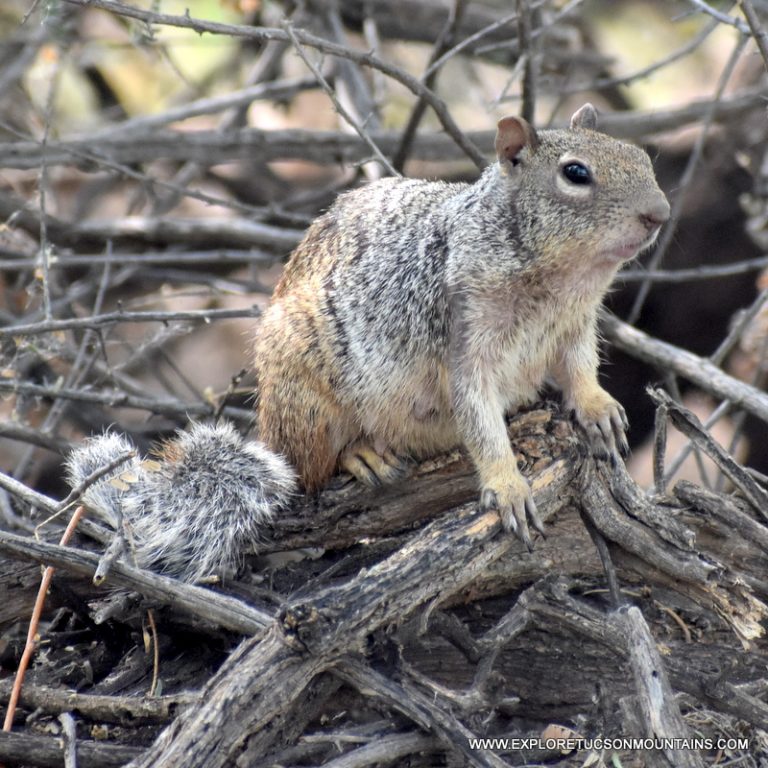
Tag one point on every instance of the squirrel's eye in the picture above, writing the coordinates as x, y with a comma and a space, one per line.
577, 173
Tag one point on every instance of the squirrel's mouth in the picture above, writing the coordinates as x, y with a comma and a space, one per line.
627, 251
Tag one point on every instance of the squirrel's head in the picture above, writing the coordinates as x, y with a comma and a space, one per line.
580, 191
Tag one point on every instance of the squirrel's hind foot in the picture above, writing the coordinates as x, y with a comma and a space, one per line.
371, 467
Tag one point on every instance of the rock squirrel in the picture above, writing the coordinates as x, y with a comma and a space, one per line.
414, 315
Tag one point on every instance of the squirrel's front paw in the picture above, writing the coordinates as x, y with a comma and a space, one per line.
513, 500
605, 423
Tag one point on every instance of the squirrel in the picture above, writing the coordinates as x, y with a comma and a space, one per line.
414, 315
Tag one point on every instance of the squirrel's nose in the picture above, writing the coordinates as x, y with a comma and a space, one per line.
656, 214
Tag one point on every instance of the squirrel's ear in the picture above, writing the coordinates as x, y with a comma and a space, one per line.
512, 134
584, 117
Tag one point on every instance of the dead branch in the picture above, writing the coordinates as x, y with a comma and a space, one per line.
701, 372
443, 42
687, 423
125, 710
684, 184
660, 711
695, 273
112, 318
756, 28
324, 147
263, 34
45, 751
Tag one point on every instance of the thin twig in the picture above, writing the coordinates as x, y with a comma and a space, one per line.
27, 495
491, 28
758, 380
723, 18
264, 33
609, 569
325, 147
17, 65
276, 90
83, 235
234, 383
44, 245
673, 388
690, 425
440, 62
81, 149
353, 88
265, 67
676, 276
511, 46
373, 41
717, 357
25, 434
80, 365
34, 623
603, 83
151, 258
721, 411
659, 447
685, 181
527, 52
757, 29
171, 407
155, 652
444, 40
325, 85
744, 321
111, 318
700, 371
92, 478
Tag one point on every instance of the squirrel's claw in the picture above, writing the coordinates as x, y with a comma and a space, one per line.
620, 426
606, 431
533, 516
516, 513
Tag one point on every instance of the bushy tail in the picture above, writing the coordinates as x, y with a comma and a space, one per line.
197, 507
